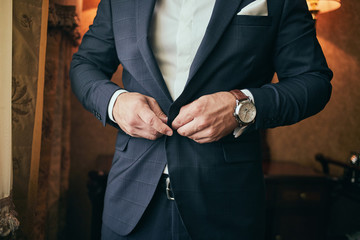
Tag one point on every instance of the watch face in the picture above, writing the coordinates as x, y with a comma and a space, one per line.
246, 112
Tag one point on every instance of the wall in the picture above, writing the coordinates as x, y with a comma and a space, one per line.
5, 98
336, 130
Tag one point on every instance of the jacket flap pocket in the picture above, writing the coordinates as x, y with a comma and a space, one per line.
122, 141
244, 149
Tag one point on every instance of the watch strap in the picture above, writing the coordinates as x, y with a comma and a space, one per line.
239, 95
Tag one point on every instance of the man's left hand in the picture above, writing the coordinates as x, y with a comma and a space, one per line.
208, 118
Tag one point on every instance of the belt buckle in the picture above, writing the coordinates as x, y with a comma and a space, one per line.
169, 193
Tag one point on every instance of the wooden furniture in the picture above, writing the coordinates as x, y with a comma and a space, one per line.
298, 203
345, 202
301, 204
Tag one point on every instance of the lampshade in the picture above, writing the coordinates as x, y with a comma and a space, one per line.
321, 6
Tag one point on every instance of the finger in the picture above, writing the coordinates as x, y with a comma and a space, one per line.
183, 118
188, 129
149, 118
204, 140
199, 135
147, 134
208, 134
142, 131
154, 106
204, 136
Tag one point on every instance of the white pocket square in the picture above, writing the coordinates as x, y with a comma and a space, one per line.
256, 8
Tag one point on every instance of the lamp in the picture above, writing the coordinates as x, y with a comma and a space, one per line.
322, 6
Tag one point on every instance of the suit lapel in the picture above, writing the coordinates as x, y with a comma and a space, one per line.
224, 11
145, 9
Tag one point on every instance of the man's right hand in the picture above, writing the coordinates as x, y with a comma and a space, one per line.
140, 116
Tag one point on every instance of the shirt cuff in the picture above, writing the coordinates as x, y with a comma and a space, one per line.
239, 130
249, 95
112, 103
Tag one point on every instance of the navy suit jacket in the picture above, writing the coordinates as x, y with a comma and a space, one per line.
218, 186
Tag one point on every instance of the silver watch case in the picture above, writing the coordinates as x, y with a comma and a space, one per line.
245, 112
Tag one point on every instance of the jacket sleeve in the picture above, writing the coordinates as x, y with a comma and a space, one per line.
94, 63
304, 78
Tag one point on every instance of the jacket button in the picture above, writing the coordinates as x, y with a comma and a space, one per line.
97, 115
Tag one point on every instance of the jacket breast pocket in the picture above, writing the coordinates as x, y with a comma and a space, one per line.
128, 150
255, 21
245, 34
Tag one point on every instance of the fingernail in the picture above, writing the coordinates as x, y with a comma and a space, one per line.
164, 119
169, 133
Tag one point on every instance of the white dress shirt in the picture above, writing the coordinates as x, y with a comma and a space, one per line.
177, 29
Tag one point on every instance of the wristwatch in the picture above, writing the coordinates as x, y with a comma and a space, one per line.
245, 110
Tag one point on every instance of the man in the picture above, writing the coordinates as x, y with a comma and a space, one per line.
196, 93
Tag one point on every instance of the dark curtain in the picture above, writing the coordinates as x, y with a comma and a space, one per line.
55, 150
41, 84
